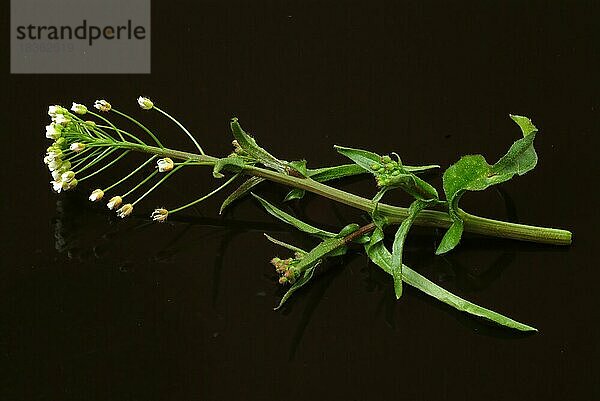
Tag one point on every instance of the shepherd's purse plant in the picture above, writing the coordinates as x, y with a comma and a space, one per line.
87, 142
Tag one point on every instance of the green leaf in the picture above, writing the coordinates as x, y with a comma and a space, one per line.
248, 144
473, 173
363, 158
306, 277
382, 258
285, 245
451, 238
234, 164
299, 167
398, 247
240, 192
295, 193
328, 248
401, 178
289, 219
335, 172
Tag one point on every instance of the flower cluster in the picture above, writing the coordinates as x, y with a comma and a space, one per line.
386, 170
57, 154
286, 268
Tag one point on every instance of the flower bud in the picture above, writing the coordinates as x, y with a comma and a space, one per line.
96, 195
145, 103
90, 123
53, 131
125, 210
165, 164
69, 185
65, 166
79, 108
102, 105
60, 142
67, 176
160, 215
77, 147
114, 202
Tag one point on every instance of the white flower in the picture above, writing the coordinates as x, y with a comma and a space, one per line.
160, 215
54, 164
102, 105
67, 176
62, 119
96, 195
54, 152
114, 202
165, 164
57, 185
125, 210
56, 175
53, 131
54, 110
145, 103
79, 108
77, 147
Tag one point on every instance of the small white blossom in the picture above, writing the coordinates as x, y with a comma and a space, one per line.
54, 152
77, 147
165, 164
114, 202
145, 103
56, 175
79, 108
54, 164
57, 185
160, 215
102, 105
54, 110
61, 119
53, 131
67, 176
96, 195
125, 210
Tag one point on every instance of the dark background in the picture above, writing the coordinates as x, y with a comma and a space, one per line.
95, 308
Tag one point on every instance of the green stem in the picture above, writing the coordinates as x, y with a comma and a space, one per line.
208, 195
394, 214
182, 127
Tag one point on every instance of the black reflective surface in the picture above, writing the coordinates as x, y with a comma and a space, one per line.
95, 308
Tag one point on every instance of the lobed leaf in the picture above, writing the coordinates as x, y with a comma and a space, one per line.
473, 173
